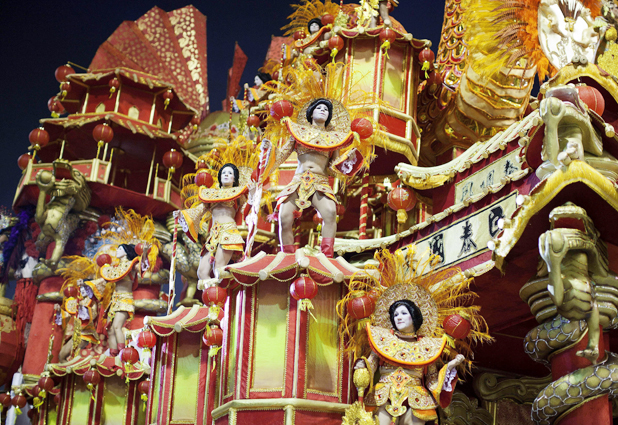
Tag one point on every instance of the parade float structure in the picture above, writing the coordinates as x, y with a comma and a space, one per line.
519, 192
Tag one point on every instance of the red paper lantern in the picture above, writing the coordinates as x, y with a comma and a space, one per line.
363, 127
299, 35
19, 401
214, 338
144, 387
195, 122
36, 390
434, 82
317, 219
387, 34
203, 178
139, 248
281, 109
23, 161
62, 72
102, 133
456, 326
592, 98
92, 377
46, 383
129, 355
32, 414
55, 106
214, 296
113, 86
70, 291
39, 138
401, 200
146, 339
253, 121
104, 259
335, 43
167, 97
65, 88
373, 294
57, 400
172, 159
340, 209
304, 288
201, 164
327, 19
5, 400
361, 307
426, 55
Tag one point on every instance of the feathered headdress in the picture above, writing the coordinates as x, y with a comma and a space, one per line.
507, 32
305, 82
438, 294
306, 11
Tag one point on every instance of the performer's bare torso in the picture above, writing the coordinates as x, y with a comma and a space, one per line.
312, 161
222, 213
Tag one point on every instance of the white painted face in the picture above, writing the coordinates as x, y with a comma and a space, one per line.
320, 114
258, 81
403, 319
314, 27
83, 290
120, 252
227, 177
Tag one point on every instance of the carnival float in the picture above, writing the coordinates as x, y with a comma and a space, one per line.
377, 231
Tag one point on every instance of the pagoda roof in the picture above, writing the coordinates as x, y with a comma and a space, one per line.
107, 366
194, 319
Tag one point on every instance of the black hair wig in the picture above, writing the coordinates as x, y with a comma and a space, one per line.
314, 104
130, 250
314, 21
264, 76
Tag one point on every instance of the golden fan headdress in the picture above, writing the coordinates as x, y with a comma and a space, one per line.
78, 268
438, 294
133, 229
507, 32
305, 82
306, 11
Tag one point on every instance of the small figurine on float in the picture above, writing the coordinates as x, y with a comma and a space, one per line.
258, 92
402, 340
326, 141
219, 204
308, 22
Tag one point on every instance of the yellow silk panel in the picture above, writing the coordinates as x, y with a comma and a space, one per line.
155, 380
270, 335
323, 342
114, 401
187, 377
363, 65
232, 345
81, 401
394, 76
52, 415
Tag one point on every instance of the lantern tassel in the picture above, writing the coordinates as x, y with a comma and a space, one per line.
426, 66
450, 340
145, 400
402, 216
333, 53
385, 46
17, 410
37, 402
112, 90
214, 350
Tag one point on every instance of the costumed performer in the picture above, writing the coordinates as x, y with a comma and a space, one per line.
403, 341
222, 204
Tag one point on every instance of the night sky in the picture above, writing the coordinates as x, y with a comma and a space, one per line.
40, 36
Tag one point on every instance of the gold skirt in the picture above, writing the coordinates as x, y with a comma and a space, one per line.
226, 235
121, 301
306, 184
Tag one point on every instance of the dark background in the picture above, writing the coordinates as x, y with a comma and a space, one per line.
37, 37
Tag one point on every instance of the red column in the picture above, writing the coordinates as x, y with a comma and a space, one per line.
41, 330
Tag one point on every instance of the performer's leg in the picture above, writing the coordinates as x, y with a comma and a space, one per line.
222, 258
120, 318
286, 221
203, 270
328, 210
384, 418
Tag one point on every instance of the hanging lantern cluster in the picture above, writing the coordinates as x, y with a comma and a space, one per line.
172, 160
387, 37
427, 58
167, 97
213, 338
401, 200
304, 289
113, 84
144, 388
102, 134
